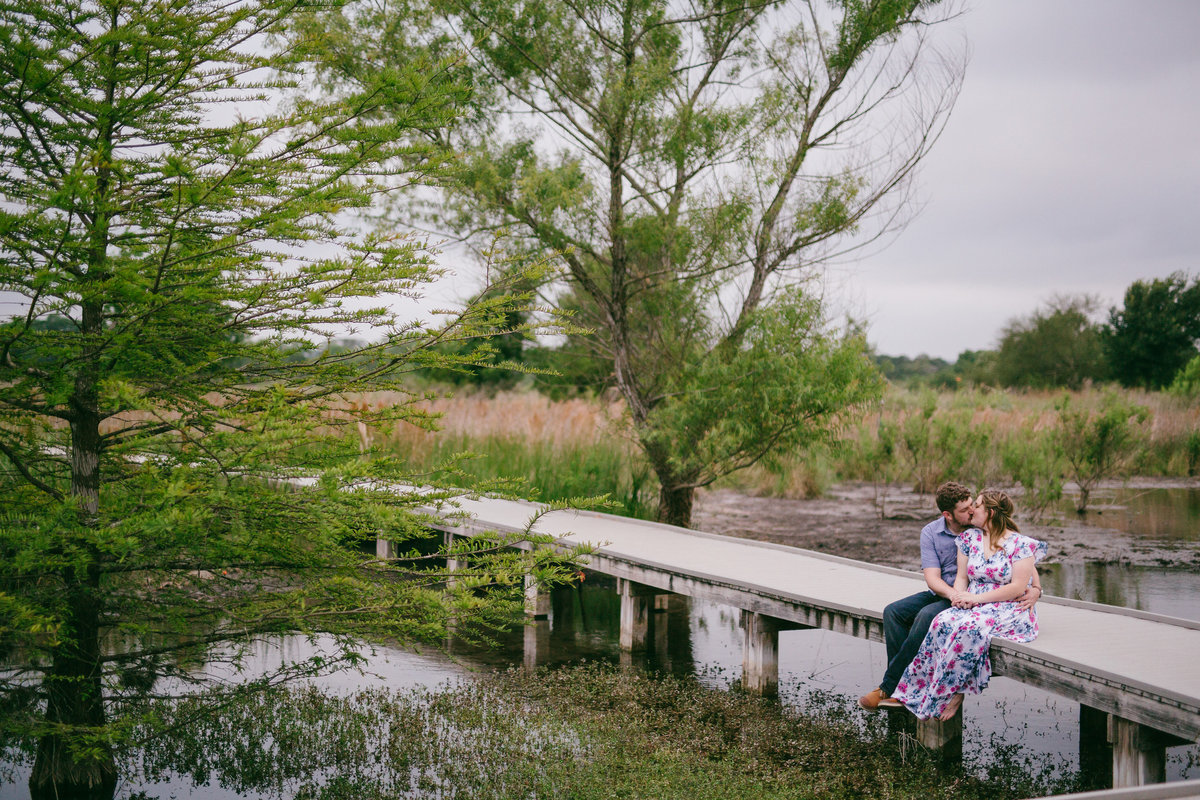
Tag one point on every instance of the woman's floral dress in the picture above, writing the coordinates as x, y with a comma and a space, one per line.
954, 656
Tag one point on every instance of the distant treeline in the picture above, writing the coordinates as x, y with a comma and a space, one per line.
1148, 342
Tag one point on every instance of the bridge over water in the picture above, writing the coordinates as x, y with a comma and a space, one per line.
1135, 675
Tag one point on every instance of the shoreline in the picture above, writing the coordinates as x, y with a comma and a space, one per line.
847, 522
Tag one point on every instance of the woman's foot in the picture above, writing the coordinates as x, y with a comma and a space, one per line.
951, 708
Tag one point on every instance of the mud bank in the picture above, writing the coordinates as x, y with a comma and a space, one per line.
849, 522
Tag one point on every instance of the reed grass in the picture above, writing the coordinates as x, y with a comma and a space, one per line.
920, 437
527, 444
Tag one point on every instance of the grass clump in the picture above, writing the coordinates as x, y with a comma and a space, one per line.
672, 738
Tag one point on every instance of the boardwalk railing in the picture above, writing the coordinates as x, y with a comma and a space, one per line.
1136, 675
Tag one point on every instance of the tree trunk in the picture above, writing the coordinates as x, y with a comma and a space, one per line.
1085, 496
69, 764
74, 759
675, 505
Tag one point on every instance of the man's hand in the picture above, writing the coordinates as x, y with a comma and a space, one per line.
960, 599
1027, 600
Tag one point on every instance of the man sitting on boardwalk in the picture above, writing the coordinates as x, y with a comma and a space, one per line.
906, 621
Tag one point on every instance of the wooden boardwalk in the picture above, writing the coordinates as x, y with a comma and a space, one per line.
1140, 672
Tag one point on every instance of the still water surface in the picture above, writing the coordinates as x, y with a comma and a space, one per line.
1161, 515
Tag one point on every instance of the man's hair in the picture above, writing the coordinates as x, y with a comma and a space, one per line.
950, 494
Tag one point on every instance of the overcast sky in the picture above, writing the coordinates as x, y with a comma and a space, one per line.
1071, 164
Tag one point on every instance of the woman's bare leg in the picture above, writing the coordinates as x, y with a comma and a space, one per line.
952, 707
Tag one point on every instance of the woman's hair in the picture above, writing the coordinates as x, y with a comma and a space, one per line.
999, 509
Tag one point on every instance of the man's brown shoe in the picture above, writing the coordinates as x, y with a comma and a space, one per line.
876, 699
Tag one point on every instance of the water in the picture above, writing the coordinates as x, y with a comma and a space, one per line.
1161, 515
1175, 593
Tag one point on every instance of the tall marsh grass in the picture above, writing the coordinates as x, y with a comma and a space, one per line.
923, 437
545, 450
583, 447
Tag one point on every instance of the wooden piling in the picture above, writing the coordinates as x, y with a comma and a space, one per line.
760, 654
635, 615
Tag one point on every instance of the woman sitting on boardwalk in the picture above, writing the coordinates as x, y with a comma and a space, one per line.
995, 564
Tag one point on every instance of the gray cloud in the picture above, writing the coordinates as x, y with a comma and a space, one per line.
1070, 165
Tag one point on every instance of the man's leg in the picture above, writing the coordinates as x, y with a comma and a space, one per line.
898, 619
912, 642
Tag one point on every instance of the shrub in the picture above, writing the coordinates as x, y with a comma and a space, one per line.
1099, 443
1186, 384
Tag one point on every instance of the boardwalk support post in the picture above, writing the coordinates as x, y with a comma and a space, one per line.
537, 642
385, 549
537, 600
452, 564
942, 737
658, 627
635, 614
760, 654
1139, 752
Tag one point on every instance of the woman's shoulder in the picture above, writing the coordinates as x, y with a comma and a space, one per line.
1019, 545
970, 540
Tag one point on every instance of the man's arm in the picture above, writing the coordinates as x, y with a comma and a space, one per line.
931, 564
1034, 593
933, 579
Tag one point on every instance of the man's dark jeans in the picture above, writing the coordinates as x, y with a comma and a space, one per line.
905, 623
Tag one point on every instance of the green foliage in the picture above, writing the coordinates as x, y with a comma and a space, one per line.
1156, 333
902, 369
1098, 443
1186, 384
1056, 346
932, 445
569, 370
497, 359
699, 160
1193, 452
175, 472
1035, 461
980, 436
972, 368
788, 383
